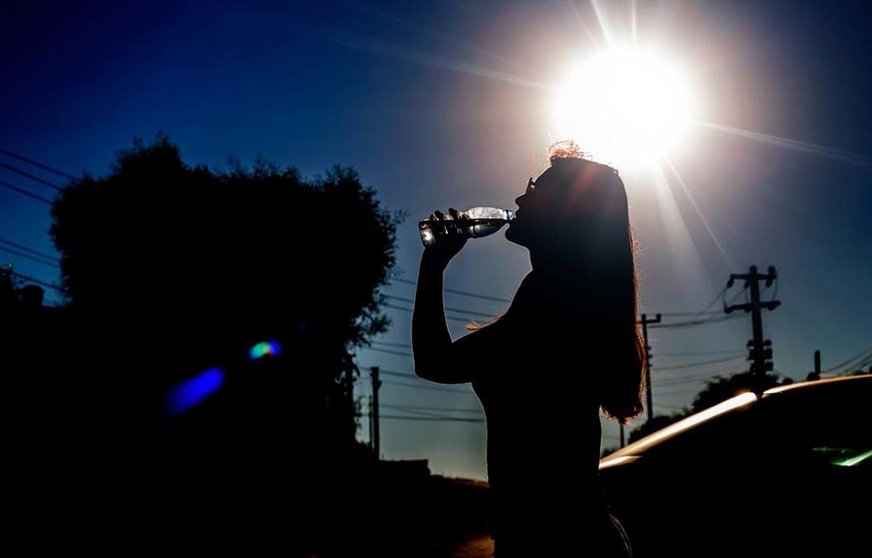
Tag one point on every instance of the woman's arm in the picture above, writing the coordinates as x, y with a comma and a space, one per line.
431, 340
437, 358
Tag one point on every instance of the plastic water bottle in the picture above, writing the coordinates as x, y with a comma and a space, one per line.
474, 222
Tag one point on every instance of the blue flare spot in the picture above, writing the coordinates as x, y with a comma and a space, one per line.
191, 392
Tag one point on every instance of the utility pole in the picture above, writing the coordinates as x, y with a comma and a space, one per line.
816, 375
373, 413
349, 392
645, 321
760, 350
371, 433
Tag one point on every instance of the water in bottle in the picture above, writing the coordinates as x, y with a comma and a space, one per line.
475, 222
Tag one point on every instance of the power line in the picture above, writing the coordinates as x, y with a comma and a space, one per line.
425, 408
700, 363
24, 192
28, 256
692, 323
431, 419
672, 377
678, 314
26, 249
420, 413
711, 317
410, 375
661, 353
701, 312
433, 388
457, 292
859, 365
36, 163
448, 308
850, 361
691, 380
387, 351
698, 353
678, 391
400, 374
694, 314
387, 344
398, 345
679, 381
31, 176
455, 318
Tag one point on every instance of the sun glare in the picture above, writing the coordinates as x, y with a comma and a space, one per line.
628, 108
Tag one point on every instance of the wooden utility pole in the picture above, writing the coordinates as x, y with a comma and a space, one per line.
373, 414
650, 400
349, 393
760, 351
371, 433
816, 374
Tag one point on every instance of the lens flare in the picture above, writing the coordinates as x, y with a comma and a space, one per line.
264, 349
855, 460
192, 391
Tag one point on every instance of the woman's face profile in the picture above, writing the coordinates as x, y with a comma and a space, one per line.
566, 206
532, 215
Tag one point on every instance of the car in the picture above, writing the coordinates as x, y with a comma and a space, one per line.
787, 472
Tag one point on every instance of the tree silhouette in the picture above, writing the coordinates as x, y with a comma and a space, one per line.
172, 270
8, 288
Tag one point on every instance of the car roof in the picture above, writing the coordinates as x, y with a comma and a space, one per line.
815, 384
741, 401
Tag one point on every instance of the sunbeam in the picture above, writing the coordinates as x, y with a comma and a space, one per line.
727, 259
366, 44
442, 37
693, 280
584, 26
602, 22
822, 150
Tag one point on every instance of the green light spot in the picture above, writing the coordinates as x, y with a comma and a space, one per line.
829, 450
266, 348
856, 460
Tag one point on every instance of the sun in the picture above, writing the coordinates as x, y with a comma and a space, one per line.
628, 108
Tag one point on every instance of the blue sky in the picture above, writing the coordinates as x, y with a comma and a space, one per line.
448, 104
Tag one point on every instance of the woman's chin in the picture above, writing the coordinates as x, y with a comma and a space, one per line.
513, 235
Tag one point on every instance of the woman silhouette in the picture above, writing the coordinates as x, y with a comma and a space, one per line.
567, 347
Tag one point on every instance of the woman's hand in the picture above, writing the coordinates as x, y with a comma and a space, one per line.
446, 246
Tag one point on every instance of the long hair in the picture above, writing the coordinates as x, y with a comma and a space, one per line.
592, 293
